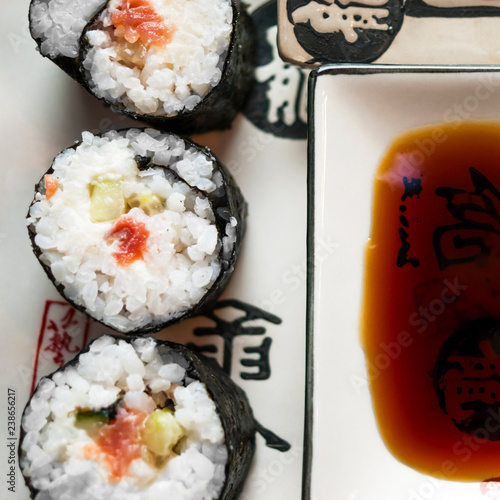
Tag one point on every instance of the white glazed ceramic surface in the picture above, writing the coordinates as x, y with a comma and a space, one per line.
44, 111
356, 117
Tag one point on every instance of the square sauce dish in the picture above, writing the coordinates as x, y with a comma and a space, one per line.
403, 293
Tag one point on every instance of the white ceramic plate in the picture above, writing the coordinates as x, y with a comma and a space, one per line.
357, 113
43, 112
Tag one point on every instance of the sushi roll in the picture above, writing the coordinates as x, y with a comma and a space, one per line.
185, 66
136, 419
136, 228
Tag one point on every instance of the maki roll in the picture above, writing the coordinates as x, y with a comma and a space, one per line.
136, 420
137, 228
176, 64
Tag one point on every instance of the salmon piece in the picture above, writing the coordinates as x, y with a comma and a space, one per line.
132, 237
137, 20
118, 443
51, 186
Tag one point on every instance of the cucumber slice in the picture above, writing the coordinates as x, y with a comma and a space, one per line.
92, 420
106, 200
162, 431
149, 202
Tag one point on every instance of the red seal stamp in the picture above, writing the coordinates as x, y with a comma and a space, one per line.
63, 333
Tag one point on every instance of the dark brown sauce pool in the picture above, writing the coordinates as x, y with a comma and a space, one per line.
432, 301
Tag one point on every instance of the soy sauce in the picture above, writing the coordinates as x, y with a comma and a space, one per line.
431, 322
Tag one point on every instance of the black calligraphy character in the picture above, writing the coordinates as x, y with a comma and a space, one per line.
413, 187
403, 251
262, 363
477, 215
229, 330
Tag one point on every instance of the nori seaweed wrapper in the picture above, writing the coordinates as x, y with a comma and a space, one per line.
217, 109
232, 406
226, 201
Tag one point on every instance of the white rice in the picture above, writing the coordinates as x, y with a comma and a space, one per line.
52, 454
175, 76
59, 24
181, 262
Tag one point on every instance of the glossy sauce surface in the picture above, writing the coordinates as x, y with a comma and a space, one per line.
432, 300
